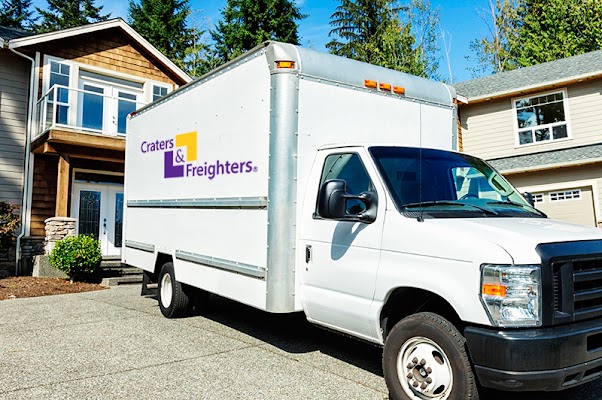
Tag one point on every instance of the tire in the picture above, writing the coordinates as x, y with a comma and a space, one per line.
425, 358
174, 300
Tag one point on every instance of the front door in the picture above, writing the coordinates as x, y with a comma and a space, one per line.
341, 258
99, 212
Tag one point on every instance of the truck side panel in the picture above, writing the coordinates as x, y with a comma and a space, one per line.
197, 183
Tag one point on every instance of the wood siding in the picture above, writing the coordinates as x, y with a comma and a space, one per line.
563, 179
43, 192
110, 50
14, 82
488, 128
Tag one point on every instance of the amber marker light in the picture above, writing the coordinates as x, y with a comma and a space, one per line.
285, 64
494, 290
385, 87
399, 90
370, 84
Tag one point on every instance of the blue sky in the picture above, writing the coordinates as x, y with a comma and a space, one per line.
459, 20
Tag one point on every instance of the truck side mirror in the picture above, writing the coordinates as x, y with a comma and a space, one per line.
332, 202
529, 197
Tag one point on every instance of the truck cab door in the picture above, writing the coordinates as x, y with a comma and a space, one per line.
340, 257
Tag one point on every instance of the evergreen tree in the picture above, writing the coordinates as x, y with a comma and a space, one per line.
62, 14
380, 32
163, 24
17, 14
528, 32
248, 23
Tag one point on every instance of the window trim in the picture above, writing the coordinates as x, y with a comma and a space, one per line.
567, 119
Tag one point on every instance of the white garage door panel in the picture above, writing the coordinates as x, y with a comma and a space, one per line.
579, 211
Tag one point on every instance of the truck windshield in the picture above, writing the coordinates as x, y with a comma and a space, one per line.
441, 184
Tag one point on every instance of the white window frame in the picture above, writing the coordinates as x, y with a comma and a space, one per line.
573, 194
567, 119
540, 196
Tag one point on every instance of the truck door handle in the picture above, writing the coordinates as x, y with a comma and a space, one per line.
307, 254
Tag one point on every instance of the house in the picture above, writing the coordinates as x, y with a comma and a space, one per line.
64, 100
541, 126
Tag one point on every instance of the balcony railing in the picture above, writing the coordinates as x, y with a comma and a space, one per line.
85, 110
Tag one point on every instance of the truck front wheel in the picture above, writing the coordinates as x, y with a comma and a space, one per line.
174, 302
425, 358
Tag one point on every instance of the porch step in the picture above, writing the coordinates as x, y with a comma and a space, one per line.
114, 272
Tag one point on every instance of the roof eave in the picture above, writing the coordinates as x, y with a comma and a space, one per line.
545, 167
533, 88
113, 23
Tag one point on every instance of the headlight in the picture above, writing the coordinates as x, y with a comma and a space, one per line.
512, 294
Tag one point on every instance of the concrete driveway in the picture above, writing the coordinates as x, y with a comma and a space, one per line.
116, 344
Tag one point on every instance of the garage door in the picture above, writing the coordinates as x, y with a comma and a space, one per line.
572, 205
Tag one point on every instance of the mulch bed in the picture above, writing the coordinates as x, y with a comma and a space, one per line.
16, 287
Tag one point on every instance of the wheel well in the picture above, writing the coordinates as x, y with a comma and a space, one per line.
406, 301
162, 258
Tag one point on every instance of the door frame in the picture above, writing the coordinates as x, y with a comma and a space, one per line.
108, 190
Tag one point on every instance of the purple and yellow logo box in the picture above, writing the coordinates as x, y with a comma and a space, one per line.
174, 159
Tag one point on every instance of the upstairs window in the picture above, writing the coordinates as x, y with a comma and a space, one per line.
158, 92
59, 76
541, 118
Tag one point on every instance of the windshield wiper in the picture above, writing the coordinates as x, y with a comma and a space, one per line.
514, 203
448, 202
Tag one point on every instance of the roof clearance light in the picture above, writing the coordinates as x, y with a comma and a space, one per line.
385, 87
399, 90
370, 84
285, 64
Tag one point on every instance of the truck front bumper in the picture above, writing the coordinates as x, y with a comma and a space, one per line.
548, 359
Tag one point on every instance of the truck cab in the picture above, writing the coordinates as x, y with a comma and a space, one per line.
398, 242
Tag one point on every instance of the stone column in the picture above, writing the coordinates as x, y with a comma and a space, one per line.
58, 228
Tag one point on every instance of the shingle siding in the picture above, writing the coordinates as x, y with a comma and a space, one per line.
14, 78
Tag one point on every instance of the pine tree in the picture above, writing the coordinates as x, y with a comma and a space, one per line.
62, 14
248, 23
17, 14
163, 24
380, 32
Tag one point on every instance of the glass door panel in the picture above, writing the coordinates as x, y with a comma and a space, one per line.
126, 104
89, 213
118, 230
93, 108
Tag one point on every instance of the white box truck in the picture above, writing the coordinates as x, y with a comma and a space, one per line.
291, 180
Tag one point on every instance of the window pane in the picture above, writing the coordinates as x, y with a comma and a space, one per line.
93, 108
61, 114
526, 117
542, 134
349, 168
550, 113
525, 137
559, 132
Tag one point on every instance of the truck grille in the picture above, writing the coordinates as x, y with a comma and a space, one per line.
577, 289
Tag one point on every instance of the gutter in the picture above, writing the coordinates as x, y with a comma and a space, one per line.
26, 186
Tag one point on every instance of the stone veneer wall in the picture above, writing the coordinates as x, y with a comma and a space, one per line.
58, 228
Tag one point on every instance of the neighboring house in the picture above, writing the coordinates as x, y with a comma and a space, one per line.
64, 99
541, 126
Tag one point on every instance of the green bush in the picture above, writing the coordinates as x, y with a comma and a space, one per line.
9, 222
77, 256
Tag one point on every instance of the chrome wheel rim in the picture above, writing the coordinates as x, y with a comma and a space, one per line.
424, 370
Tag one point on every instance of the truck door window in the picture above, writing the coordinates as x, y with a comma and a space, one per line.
348, 167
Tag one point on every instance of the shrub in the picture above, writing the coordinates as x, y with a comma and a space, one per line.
77, 256
9, 222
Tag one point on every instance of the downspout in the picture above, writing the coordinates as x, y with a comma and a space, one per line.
25, 207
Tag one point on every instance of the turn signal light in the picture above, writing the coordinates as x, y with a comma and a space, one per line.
494, 290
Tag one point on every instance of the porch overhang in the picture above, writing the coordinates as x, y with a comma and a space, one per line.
76, 144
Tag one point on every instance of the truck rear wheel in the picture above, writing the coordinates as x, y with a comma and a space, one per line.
425, 358
174, 302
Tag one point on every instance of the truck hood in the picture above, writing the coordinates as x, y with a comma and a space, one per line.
520, 236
